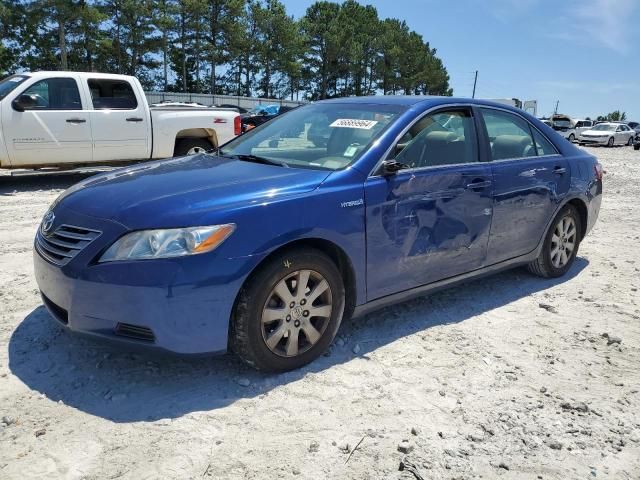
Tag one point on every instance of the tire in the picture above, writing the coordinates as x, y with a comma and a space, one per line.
257, 301
572, 138
191, 146
547, 264
581, 144
610, 142
636, 147
630, 142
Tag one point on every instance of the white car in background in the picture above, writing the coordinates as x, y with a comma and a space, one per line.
608, 134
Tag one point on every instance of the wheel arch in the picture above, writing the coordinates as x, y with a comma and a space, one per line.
583, 211
207, 133
329, 248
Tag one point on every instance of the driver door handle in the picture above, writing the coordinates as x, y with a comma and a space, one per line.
134, 119
559, 170
478, 185
76, 120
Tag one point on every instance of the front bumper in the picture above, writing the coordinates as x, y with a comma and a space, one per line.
593, 140
182, 305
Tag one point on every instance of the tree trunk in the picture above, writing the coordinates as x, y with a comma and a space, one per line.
63, 44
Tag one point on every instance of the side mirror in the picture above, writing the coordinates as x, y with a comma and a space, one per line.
23, 102
391, 167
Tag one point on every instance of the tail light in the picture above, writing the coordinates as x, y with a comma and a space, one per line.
598, 170
237, 125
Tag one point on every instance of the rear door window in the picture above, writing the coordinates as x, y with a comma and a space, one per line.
109, 94
509, 135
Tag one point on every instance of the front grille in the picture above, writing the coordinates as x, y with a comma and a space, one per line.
57, 311
136, 332
64, 243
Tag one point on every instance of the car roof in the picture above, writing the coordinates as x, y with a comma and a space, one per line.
414, 100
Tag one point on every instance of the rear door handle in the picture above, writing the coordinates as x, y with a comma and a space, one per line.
76, 120
134, 119
559, 170
478, 185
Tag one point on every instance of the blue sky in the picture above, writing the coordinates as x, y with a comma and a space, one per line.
584, 53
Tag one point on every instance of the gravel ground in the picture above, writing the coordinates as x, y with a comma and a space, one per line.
509, 377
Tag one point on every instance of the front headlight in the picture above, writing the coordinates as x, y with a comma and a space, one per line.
175, 242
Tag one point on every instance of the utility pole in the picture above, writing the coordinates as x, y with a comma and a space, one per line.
475, 81
556, 110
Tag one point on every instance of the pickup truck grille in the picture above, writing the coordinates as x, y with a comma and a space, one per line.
61, 245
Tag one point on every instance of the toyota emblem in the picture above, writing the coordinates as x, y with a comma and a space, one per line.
47, 222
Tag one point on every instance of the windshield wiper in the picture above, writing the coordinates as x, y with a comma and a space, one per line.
257, 159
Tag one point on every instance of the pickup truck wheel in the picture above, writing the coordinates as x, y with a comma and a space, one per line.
560, 245
191, 146
572, 138
288, 312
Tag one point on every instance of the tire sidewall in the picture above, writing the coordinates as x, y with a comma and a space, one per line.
259, 289
546, 249
611, 142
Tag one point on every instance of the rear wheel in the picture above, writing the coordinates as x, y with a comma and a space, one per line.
572, 138
630, 142
191, 146
289, 311
560, 245
610, 142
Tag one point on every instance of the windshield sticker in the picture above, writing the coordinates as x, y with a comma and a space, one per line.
350, 151
353, 123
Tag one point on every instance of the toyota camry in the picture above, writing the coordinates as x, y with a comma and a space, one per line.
266, 244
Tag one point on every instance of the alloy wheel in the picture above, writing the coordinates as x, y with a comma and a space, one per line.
563, 241
296, 313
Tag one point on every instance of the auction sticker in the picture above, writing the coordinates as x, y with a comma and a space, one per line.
354, 123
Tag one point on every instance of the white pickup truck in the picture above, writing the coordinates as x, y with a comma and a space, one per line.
64, 119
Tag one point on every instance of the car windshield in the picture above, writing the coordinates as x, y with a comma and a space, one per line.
327, 136
605, 127
9, 83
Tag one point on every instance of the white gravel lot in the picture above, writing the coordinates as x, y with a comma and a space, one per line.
506, 377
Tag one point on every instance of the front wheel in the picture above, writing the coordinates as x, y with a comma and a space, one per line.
636, 147
560, 245
572, 138
289, 311
610, 142
630, 142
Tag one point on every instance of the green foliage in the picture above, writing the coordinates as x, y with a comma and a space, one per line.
241, 47
615, 116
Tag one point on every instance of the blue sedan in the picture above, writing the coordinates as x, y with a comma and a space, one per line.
266, 244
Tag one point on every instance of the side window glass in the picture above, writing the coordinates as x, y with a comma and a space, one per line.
112, 95
544, 146
443, 138
54, 94
509, 135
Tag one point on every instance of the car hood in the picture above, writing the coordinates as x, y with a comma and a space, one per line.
184, 191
